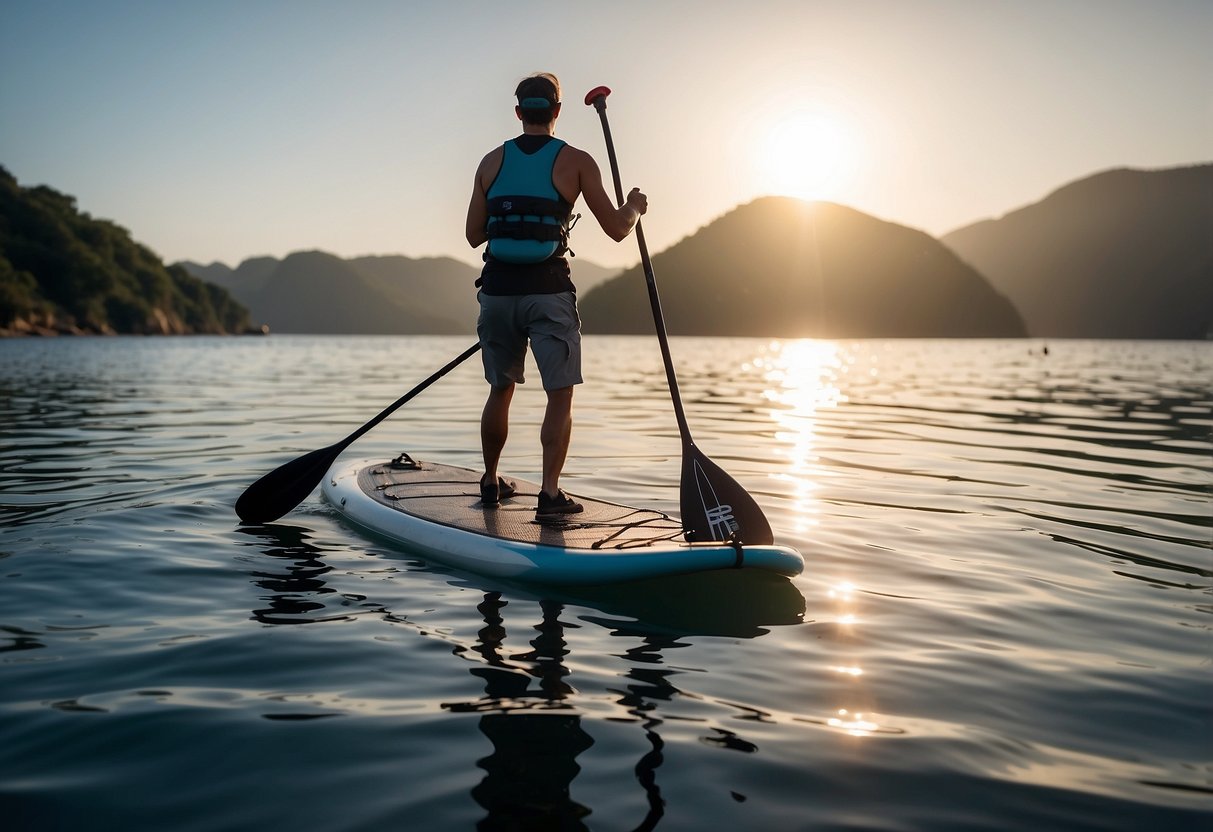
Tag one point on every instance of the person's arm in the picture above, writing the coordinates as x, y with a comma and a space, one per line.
478, 207
616, 221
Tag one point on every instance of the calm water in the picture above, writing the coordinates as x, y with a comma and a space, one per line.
1004, 622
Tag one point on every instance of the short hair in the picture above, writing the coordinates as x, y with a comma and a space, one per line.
541, 85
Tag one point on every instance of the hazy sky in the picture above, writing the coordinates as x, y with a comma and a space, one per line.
221, 130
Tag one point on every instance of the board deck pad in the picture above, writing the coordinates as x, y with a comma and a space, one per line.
450, 495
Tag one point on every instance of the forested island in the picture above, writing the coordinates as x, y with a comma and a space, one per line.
64, 272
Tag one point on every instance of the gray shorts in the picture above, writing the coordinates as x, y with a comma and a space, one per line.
551, 324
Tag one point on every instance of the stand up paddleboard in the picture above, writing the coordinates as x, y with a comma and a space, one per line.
435, 511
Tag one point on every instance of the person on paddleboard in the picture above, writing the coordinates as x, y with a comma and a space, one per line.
522, 207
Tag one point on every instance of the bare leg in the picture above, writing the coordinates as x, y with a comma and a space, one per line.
555, 434
495, 428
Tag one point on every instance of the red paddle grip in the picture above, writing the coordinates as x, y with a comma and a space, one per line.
596, 93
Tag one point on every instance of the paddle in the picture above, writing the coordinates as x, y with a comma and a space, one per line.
713, 505
287, 486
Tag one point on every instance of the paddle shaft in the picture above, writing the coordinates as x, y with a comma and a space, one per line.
684, 429
394, 406
282, 489
714, 506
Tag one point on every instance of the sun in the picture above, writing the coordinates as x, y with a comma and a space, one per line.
808, 155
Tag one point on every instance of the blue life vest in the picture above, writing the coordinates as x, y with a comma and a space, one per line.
529, 221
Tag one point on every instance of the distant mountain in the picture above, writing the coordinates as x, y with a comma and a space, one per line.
786, 268
587, 275
441, 286
321, 293
64, 271
318, 292
249, 277
1121, 254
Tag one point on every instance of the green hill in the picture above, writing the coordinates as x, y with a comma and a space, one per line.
786, 268
1121, 254
63, 271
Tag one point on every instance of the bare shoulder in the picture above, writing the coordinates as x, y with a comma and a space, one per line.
493, 156
574, 157
574, 169
489, 166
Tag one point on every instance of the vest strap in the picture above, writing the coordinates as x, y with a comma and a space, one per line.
529, 206
522, 230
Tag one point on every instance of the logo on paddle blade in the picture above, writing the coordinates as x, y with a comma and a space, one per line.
722, 522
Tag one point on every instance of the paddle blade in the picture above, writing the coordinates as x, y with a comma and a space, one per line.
715, 507
286, 486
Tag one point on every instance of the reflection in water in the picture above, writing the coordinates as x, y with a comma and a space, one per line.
803, 379
528, 777
536, 734
536, 738
295, 592
19, 639
724, 602
527, 711
851, 716
853, 724
648, 686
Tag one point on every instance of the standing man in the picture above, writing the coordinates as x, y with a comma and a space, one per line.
522, 206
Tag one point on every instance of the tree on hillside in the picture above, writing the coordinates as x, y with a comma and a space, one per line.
61, 268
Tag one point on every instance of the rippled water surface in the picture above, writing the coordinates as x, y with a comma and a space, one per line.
1004, 622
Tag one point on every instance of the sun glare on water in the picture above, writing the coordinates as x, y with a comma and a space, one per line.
807, 155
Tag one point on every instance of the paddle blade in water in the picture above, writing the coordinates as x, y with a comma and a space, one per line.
715, 506
286, 486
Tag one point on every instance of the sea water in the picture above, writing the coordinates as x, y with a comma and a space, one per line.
1003, 624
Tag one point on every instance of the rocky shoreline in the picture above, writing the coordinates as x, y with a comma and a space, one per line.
54, 328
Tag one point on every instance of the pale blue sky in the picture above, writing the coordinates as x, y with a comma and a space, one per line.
222, 130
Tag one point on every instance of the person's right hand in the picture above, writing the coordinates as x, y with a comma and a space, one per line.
638, 201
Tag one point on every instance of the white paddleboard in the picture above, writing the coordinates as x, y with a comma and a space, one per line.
435, 511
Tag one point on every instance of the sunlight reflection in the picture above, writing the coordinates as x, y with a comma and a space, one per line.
842, 594
802, 378
853, 724
843, 591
